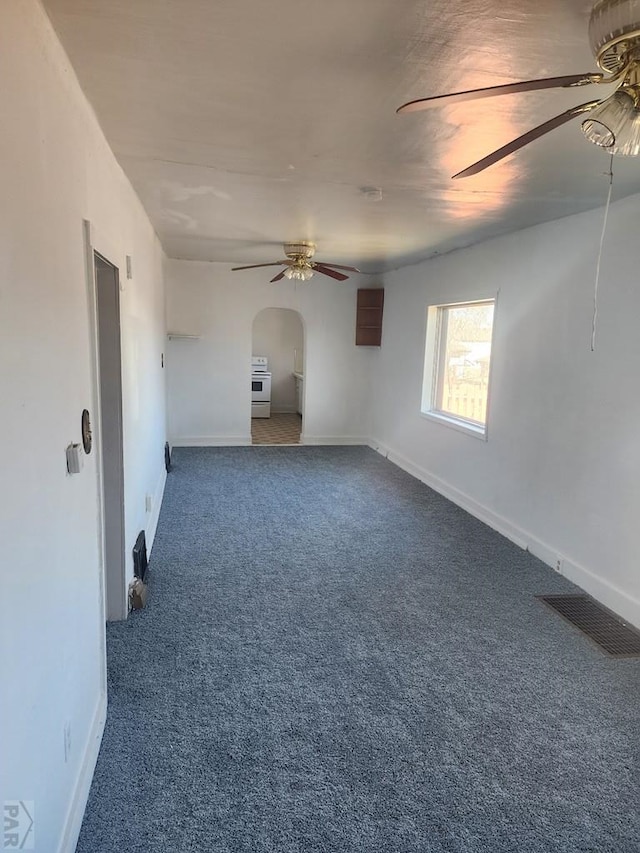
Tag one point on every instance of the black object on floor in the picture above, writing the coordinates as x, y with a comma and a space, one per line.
140, 561
612, 635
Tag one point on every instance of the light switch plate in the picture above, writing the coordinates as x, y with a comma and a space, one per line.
74, 459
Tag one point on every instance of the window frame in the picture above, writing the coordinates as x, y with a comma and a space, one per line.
433, 376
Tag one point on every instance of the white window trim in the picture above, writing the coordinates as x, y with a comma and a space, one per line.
476, 430
432, 377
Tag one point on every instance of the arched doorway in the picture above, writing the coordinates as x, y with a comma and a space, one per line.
278, 335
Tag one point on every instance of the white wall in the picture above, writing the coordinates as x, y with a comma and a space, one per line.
278, 334
57, 170
209, 391
560, 470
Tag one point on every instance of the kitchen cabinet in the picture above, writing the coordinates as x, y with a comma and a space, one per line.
369, 317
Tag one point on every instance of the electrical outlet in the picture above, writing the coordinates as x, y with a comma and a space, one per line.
559, 563
67, 741
148, 503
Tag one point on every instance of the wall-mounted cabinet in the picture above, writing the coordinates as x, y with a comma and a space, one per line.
369, 317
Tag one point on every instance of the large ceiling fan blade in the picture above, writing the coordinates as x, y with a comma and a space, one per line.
508, 89
278, 277
255, 266
525, 139
326, 271
340, 267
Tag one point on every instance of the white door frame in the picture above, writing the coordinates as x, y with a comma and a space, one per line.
298, 312
96, 243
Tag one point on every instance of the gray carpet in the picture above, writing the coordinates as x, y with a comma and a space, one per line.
335, 658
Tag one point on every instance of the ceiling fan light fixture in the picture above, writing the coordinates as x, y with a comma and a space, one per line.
299, 272
598, 133
615, 125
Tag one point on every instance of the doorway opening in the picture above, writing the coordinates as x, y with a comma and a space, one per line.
110, 445
278, 336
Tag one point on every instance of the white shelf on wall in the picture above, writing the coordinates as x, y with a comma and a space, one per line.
182, 336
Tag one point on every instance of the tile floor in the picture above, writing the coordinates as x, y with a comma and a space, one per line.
280, 428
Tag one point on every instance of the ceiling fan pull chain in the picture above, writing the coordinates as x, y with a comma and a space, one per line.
604, 228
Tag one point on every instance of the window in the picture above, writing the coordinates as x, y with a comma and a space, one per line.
457, 361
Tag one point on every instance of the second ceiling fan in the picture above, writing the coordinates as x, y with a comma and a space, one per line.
299, 265
613, 123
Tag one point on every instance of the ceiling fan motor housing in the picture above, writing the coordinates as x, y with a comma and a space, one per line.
614, 30
299, 250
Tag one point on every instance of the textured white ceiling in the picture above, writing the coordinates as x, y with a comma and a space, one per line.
243, 123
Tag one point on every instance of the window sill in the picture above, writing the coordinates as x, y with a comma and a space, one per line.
476, 430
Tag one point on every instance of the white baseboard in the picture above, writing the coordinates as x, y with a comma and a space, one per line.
493, 520
211, 441
333, 439
242, 441
602, 590
616, 599
75, 814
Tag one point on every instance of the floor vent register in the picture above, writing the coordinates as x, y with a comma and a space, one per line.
612, 635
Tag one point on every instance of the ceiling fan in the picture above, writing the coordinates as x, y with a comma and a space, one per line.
613, 123
298, 264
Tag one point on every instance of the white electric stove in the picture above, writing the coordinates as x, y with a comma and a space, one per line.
260, 387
